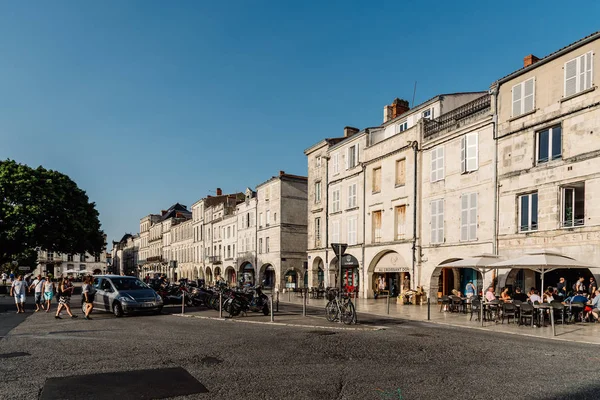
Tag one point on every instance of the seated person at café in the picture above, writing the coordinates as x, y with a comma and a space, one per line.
549, 295
578, 298
489, 295
504, 296
561, 288
535, 296
596, 305
518, 295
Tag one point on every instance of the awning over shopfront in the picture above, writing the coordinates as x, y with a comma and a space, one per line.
348, 261
391, 263
482, 263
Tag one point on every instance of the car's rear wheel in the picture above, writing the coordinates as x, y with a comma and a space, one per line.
118, 310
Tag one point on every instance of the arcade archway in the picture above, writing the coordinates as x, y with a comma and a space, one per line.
267, 273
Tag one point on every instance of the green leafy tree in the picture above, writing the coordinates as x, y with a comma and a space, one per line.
44, 209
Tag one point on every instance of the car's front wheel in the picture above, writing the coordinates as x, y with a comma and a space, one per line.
118, 310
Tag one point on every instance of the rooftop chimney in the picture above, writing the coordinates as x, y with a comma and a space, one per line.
219, 192
281, 173
397, 108
530, 59
350, 130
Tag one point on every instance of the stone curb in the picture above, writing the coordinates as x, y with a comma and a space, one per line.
378, 328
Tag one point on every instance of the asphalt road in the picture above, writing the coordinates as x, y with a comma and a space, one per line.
408, 360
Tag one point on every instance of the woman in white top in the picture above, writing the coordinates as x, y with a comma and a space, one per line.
48, 292
88, 291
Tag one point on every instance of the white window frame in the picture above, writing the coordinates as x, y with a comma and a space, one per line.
425, 116
437, 171
318, 161
519, 98
317, 192
529, 227
352, 195
400, 228
267, 246
563, 211
376, 232
352, 150
268, 218
335, 200
335, 231
537, 144
402, 126
469, 152
352, 222
582, 79
335, 159
437, 221
468, 217
260, 220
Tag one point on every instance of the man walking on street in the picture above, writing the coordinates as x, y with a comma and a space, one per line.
38, 286
4, 276
18, 290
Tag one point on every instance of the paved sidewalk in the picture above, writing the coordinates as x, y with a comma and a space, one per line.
580, 332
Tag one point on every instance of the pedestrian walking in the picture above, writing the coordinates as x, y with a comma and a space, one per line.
11, 277
49, 290
18, 290
38, 287
64, 299
4, 277
88, 291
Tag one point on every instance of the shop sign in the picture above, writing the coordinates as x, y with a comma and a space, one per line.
391, 269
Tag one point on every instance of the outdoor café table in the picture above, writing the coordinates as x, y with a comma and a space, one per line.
541, 308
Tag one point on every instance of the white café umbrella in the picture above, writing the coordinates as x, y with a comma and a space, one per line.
481, 263
542, 261
70, 271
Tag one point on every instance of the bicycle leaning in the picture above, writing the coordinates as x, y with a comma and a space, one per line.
340, 308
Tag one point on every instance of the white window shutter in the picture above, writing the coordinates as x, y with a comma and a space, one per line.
588, 70
440, 222
528, 95
571, 77
471, 140
348, 159
356, 154
464, 217
434, 221
473, 217
463, 154
516, 100
433, 177
440, 173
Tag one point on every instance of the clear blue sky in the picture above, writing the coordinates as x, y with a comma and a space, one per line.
148, 103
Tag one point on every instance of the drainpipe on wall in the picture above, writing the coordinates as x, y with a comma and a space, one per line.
326, 264
415, 147
364, 192
496, 187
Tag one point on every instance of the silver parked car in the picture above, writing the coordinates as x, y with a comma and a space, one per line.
125, 294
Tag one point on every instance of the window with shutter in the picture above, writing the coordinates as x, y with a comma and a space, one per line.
437, 164
377, 180
336, 163
469, 153
352, 196
400, 221
335, 231
352, 231
468, 217
376, 226
523, 97
578, 74
336, 200
437, 221
352, 157
401, 172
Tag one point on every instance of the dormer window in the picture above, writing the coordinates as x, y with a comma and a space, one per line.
402, 126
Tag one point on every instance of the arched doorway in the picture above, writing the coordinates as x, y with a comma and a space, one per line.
318, 273
350, 274
230, 276
268, 276
388, 274
217, 274
247, 273
445, 279
209, 278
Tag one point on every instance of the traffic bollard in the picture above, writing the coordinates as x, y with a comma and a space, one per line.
304, 305
428, 310
220, 305
388, 303
552, 321
182, 302
289, 296
277, 301
271, 299
355, 308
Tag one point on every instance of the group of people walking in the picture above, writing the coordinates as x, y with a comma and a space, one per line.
45, 290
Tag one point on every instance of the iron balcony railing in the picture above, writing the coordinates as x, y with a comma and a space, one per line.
451, 118
214, 259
